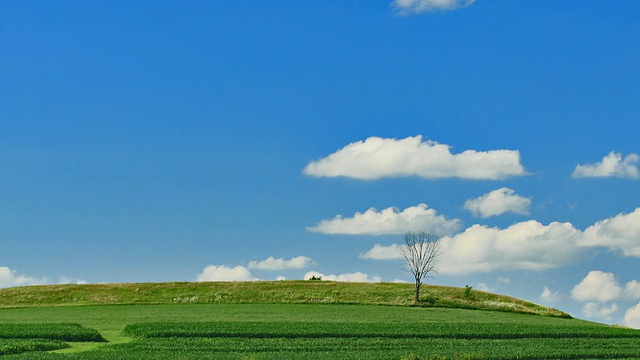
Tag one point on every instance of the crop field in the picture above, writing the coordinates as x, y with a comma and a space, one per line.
266, 330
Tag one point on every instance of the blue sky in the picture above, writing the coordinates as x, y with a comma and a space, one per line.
264, 140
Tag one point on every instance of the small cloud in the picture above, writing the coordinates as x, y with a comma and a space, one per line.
612, 165
632, 317
549, 297
482, 287
621, 232
527, 245
503, 280
273, 264
596, 310
632, 290
281, 278
66, 280
498, 202
10, 278
389, 221
349, 277
597, 286
407, 7
381, 252
377, 158
224, 273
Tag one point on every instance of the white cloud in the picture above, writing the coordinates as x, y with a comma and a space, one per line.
596, 310
281, 278
482, 287
389, 221
526, 245
597, 286
549, 297
271, 263
381, 252
611, 165
523, 246
9, 278
632, 317
632, 290
349, 277
406, 7
619, 232
377, 158
498, 202
66, 280
224, 273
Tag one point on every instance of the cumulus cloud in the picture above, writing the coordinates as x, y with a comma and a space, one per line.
498, 202
549, 297
273, 264
377, 158
388, 221
526, 245
406, 7
381, 252
66, 280
349, 277
224, 273
612, 165
10, 278
596, 310
632, 317
597, 286
632, 290
621, 232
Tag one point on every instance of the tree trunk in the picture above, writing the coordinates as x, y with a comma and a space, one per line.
418, 283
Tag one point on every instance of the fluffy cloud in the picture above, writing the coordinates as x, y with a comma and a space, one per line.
9, 278
349, 277
595, 310
498, 202
271, 263
377, 158
526, 245
381, 252
619, 232
389, 221
522, 246
224, 273
406, 7
597, 286
612, 165
632, 317
549, 297
66, 280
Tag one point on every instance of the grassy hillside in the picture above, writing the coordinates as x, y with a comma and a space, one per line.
295, 320
276, 292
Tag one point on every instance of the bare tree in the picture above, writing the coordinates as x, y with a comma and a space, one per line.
420, 253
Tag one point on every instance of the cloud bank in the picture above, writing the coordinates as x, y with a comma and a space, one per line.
619, 233
10, 278
612, 165
225, 273
377, 158
273, 264
526, 245
388, 221
406, 7
498, 202
349, 277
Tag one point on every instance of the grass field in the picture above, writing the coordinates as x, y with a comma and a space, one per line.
308, 329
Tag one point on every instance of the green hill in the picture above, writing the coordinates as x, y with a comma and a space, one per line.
268, 292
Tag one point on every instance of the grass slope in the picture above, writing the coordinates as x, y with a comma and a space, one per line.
278, 292
306, 320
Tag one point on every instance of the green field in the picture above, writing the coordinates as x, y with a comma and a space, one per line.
251, 325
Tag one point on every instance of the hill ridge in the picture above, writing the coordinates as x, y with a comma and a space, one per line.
254, 292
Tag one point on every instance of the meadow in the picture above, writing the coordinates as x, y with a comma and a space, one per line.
158, 327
